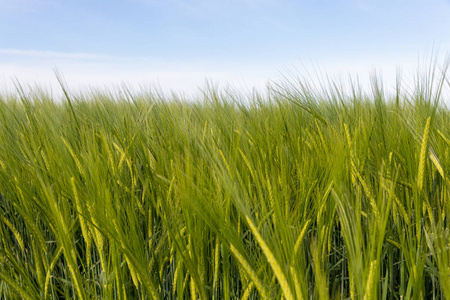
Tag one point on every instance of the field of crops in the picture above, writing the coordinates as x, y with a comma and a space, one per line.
302, 193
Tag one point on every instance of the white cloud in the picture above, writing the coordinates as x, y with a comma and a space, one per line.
58, 55
87, 70
8, 6
185, 79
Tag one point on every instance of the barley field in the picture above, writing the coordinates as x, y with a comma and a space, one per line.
300, 193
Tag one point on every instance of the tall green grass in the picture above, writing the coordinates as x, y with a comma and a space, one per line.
302, 193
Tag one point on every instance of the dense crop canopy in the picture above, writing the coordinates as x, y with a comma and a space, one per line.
296, 195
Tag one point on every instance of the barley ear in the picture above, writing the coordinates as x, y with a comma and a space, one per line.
284, 283
423, 155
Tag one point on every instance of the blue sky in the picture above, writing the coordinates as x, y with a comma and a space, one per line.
178, 44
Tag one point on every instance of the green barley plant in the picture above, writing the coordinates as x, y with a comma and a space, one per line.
303, 192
